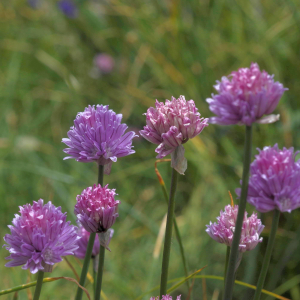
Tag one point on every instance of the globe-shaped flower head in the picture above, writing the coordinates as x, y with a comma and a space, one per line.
96, 208
98, 135
274, 180
245, 96
170, 125
223, 230
165, 297
39, 237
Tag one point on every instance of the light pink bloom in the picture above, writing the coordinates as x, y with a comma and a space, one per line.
170, 125
166, 297
223, 230
96, 208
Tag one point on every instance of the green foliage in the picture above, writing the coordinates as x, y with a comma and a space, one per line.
161, 48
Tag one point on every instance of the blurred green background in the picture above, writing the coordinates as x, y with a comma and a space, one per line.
160, 49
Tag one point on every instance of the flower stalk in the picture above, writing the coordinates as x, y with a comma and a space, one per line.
268, 254
168, 235
100, 273
38, 286
229, 282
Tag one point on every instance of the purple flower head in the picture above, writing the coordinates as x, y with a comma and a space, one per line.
96, 208
98, 135
166, 297
274, 180
104, 62
172, 124
68, 8
223, 231
39, 237
245, 97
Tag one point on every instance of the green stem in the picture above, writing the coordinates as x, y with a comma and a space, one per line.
86, 263
178, 237
100, 272
100, 174
226, 262
168, 235
229, 283
38, 286
94, 275
265, 266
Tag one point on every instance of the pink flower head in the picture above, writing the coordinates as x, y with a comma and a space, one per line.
223, 231
274, 180
39, 237
96, 208
166, 297
245, 97
98, 135
172, 124
104, 62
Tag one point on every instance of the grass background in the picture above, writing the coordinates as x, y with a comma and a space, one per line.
161, 48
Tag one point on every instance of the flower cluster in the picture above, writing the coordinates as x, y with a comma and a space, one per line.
223, 231
68, 8
96, 208
98, 135
274, 180
172, 124
39, 237
246, 97
166, 297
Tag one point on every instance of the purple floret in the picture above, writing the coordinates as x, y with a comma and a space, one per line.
165, 297
244, 97
98, 135
223, 230
39, 237
274, 180
68, 8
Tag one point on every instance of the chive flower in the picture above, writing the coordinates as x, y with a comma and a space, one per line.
223, 230
68, 8
98, 135
96, 208
166, 297
274, 181
170, 125
245, 96
39, 237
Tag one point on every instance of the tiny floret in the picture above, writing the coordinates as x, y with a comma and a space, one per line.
166, 297
244, 97
39, 237
274, 180
171, 124
98, 135
223, 230
96, 208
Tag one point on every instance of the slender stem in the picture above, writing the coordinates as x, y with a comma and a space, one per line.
100, 272
100, 174
268, 254
226, 262
94, 274
229, 282
85, 266
38, 286
178, 237
168, 235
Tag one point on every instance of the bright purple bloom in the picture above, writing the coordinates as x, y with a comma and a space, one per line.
68, 8
245, 97
96, 208
172, 124
274, 180
166, 297
223, 231
98, 135
104, 62
39, 237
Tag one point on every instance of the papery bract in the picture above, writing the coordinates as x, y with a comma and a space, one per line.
274, 181
223, 230
172, 124
98, 135
245, 96
96, 208
39, 237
